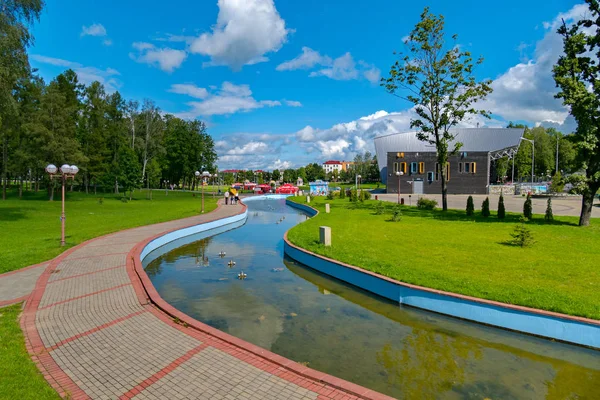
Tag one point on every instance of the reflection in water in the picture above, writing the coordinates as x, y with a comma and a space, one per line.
333, 327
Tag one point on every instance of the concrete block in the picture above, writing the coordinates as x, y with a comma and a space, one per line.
308, 199
327, 208
325, 235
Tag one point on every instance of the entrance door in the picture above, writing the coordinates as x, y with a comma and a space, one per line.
417, 186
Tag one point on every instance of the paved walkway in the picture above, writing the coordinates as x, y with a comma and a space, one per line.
570, 206
16, 286
93, 333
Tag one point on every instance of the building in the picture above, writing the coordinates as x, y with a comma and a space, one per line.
347, 165
332, 165
470, 171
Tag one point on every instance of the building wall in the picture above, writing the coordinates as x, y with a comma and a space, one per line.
332, 167
459, 182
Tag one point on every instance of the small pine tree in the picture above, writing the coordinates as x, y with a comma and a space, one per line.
397, 215
485, 207
528, 208
342, 193
379, 208
470, 206
522, 234
549, 216
330, 195
501, 208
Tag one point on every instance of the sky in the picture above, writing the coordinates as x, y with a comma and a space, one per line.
283, 83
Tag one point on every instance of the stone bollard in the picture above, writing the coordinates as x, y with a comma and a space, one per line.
327, 208
308, 199
325, 235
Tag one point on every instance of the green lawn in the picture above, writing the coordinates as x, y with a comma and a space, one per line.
30, 228
20, 378
471, 256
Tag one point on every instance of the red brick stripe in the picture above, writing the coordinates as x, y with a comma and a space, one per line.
93, 330
84, 295
86, 273
5, 303
169, 368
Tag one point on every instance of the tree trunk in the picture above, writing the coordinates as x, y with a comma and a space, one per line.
51, 191
587, 205
4, 166
20, 188
116, 187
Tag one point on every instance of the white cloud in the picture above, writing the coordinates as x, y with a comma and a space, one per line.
371, 73
293, 103
251, 148
93, 30
107, 42
280, 165
85, 74
343, 69
190, 90
165, 58
308, 59
526, 91
245, 31
230, 99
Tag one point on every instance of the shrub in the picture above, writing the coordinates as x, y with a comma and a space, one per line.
365, 195
397, 214
485, 207
342, 193
124, 199
549, 216
379, 208
558, 183
353, 195
470, 206
522, 234
528, 208
330, 195
501, 208
426, 204
101, 200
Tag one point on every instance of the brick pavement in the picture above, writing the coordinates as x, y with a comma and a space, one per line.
15, 286
95, 331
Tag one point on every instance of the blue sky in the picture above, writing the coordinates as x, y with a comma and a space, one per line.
283, 83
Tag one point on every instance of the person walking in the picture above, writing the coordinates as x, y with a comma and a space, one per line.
226, 197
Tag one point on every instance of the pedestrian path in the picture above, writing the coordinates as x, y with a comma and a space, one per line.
94, 333
16, 286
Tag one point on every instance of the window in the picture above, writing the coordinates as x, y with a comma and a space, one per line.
473, 168
421, 168
460, 167
400, 155
430, 176
413, 168
467, 168
447, 171
403, 167
395, 167
437, 172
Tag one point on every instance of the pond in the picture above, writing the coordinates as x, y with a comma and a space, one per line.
333, 327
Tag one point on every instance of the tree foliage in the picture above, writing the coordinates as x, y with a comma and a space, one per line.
577, 75
549, 216
470, 206
438, 80
528, 208
501, 207
485, 208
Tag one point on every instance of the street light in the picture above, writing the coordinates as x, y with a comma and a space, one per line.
204, 175
399, 174
166, 182
357, 179
66, 171
532, 158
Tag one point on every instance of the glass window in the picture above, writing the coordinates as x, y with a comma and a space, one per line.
460, 167
395, 167
430, 176
413, 167
473, 168
421, 168
467, 168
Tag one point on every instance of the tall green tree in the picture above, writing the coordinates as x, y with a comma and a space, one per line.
577, 75
15, 18
438, 80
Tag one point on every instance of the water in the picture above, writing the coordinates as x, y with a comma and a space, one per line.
333, 327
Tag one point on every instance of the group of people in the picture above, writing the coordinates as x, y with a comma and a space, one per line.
233, 195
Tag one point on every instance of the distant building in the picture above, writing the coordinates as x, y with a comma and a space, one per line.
347, 165
470, 171
332, 165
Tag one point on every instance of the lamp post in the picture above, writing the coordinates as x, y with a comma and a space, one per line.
166, 182
357, 180
66, 171
204, 175
399, 174
532, 157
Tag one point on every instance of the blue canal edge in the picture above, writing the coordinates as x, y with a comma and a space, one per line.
513, 318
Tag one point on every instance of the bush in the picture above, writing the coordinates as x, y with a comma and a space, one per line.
522, 235
365, 195
353, 195
426, 204
485, 207
549, 216
501, 208
100, 200
470, 206
124, 199
379, 208
558, 183
330, 195
396, 215
342, 193
528, 208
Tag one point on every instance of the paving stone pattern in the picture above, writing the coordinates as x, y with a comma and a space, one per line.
92, 338
14, 286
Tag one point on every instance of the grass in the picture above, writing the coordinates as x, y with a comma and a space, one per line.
20, 377
468, 255
30, 228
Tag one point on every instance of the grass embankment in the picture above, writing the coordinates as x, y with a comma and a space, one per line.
20, 378
30, 228
467, 255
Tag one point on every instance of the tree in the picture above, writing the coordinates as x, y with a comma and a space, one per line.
501, 208
577, 75
276, 175
485, 207
528, 208
15, 38
153, 131
558, 184
439, 82
129, 170
470, 206
549, 216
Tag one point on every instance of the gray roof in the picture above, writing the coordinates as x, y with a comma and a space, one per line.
473, 139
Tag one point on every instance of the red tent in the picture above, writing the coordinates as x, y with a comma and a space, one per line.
263, 188
286, 189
